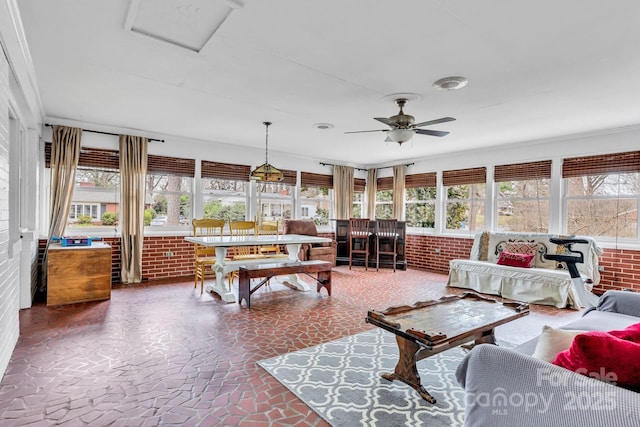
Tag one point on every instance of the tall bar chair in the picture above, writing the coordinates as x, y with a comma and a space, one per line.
386, 236
205, 256
359, 235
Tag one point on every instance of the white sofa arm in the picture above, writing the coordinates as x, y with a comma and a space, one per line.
507, 388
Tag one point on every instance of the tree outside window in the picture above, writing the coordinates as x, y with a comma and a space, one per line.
523, 205
170, 197
356, 211
384, 204
603, 205
224, 199
465, 207
420, 207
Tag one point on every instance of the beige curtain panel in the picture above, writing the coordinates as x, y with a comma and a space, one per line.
133, 170
65, 153
343, 188
372, 187
399, 173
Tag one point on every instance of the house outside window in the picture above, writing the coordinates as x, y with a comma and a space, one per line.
420, 200
95, 202
275, 200
465, 199
224, 190
316, 197
224, 199
522, 196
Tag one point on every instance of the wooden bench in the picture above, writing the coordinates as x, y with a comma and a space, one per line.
267, 271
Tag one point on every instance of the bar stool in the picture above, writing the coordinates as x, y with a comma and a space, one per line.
386, 235
359, 234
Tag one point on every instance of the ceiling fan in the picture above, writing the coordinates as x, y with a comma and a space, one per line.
402, 126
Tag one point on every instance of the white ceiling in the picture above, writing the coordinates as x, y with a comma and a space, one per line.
536, 69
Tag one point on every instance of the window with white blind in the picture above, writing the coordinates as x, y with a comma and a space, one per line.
522, 196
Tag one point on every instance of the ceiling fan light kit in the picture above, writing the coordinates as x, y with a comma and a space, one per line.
402, 126
266, 172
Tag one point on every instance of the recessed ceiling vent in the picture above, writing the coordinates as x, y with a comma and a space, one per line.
450, 83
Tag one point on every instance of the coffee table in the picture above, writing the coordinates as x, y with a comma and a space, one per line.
430, 327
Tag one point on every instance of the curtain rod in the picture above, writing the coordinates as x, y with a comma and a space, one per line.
360, 169
109, 133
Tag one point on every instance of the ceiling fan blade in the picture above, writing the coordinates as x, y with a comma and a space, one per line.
362, 131
385, 121
431, 132
436, 121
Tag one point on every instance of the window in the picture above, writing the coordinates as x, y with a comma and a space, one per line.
169, 190
95, 201
359, 185
316, 191
602, 195
384, 198
275, 199
522, 196
464, 205
224, 188
96, 195
420, 200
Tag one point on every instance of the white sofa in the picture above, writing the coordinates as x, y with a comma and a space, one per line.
543, 283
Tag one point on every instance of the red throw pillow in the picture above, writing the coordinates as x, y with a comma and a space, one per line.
612, 357
515, 260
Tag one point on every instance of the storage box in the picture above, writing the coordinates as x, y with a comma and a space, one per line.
75, 241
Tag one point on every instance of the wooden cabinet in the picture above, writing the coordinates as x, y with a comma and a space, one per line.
342, 237
78, 273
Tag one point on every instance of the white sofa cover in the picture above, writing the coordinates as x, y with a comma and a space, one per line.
544, 283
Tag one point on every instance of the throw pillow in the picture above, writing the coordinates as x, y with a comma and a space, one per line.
515, 260
613, 356
522, 247
552, 341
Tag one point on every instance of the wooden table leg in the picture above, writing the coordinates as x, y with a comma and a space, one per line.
324, 279
406, 369
488, 337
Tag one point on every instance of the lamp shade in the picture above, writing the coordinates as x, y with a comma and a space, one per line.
401, 135
266, 172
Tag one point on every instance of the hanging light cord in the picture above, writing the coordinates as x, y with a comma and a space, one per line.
266, 144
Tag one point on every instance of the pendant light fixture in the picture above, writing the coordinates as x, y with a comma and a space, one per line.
266, 172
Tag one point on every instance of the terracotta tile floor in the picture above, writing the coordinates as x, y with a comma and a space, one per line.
161, 354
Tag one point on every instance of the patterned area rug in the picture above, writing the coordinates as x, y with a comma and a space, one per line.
340, 380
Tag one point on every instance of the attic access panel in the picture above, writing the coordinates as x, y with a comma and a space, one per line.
189, 24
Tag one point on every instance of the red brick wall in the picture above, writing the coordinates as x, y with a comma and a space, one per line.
433, 253
621, 266
621, 270
156, 265
422, 251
